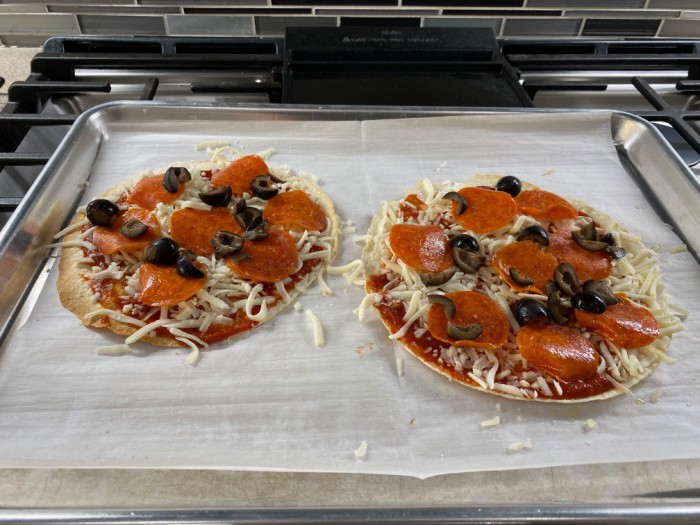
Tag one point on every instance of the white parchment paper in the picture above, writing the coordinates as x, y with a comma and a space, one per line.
271, 400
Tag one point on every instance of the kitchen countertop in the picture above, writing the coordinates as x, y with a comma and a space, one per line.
15, 66
131, 489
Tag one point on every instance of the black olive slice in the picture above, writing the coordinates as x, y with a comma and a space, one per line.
263, 188
437, 279
162, 251
225, 243
249, 218
616, 252
592, 246
519, 277
133, 228
459, 199
467, 261
217, 198
550, 287
448, 306
588, 302
602, 290
185, 265
101, 212
509, 184
587, 232
275, 178
527, 310
239, 206
257, 232
558, 310
468, 332
566, 279
465, 242
174, 176
609, 238
534, 233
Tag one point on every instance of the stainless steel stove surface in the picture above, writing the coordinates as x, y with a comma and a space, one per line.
659, 80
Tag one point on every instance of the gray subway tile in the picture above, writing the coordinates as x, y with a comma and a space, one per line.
617, 27
540, 27
690, 14
23, 8
445, 21
586, 3
112, 9
205, 25
24, 40
121, 25
502, 12
39, 24
85, 2
622, 14
465, 3
376, 12
674, 4
379, 21
277, 25
336, 2
193, 3
680, 28
264, 10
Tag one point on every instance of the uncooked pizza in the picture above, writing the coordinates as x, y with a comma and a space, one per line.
196, 253
517, 291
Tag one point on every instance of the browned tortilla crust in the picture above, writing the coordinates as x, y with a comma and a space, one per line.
74, 288
375, 253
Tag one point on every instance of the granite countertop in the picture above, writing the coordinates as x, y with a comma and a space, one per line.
15, 66
589, 485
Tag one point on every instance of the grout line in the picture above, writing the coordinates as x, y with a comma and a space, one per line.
661, 26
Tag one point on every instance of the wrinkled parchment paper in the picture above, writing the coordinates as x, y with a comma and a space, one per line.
271, 400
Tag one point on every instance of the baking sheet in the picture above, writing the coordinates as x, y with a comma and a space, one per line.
271, 400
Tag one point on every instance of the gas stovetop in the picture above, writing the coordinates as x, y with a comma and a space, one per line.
411, 67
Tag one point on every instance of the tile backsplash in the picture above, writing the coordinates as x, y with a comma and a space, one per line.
29, 23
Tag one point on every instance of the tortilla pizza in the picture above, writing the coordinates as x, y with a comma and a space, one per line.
196, 253
517, 291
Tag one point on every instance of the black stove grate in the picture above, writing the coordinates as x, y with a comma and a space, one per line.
56, 73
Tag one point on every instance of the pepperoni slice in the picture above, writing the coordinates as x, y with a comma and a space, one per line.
623, 324
410, 206
240, 173
294, 210
163, 286
272, 259
109, 240
471, 307
588, 265
149, 192
194, 229
425, 248
530, 260
545, 206
559, 350
487, 210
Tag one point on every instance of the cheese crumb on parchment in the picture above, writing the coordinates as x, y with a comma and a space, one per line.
680, 248
361, 451
113, 350
319, 339
589, 425
655, 395
519, 446
298, 307
491, 423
